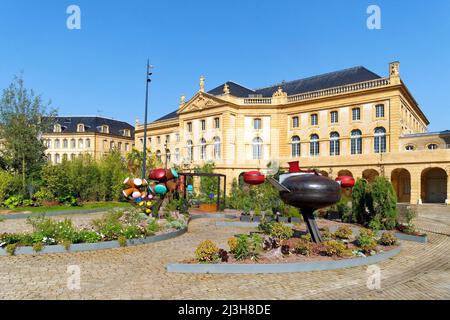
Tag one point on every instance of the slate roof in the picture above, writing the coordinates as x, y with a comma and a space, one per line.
91, 124
323, 81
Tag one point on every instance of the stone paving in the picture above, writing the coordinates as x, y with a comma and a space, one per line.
420, 271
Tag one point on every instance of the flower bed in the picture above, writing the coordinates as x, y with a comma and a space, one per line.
277, 243
117, 228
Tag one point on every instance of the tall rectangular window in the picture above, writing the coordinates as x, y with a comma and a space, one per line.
379, 111
356, 114
189, 126
256, 123
334, 117
216, 123
314, 119
295, 123
203, 122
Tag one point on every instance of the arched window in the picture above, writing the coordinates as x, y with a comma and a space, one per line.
168, 155
356, 142
72, 156
158, 155
295, 146
80, 127
409, 147
64, 157
217, 148
73, 144
334, 144
379, 140
80, 143
177, 154
57, 144
314, 145
88, 143
48, 143
257, 148
57, 128
57, 158
190, 150
65, 144
432, 146
202, 149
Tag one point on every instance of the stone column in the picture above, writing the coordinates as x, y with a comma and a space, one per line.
447, 201
416, 187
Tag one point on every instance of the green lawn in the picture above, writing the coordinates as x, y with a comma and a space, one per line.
86, 206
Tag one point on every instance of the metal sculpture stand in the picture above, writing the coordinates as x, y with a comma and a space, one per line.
311, 224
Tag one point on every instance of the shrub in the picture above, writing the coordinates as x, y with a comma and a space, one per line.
232, 244
207, 252
388, 239
38, 247
175, 225
88, 236
223, 255
303, 248
334, 248
293, 212
11, 249
43, 195
242, 250
366, 241
281, 231
307, 237
384, 203
13, 202
266, 226
9, 185
343, 232
122, 241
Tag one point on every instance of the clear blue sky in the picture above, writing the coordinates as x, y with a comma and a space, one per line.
255, 43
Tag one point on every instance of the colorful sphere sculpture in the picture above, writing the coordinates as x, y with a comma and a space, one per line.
146, 194
346, 181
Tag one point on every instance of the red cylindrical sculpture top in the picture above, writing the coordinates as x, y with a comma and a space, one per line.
294, 166
157, 174
254, 177
346, 181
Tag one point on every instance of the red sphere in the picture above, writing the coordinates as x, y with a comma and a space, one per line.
254, 177
346, 181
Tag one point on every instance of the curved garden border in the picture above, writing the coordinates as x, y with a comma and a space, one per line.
282, 267
80, 247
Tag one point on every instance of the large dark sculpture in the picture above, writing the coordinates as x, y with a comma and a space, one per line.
306, 190
309, 192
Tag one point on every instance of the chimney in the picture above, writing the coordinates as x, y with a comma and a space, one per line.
394, 73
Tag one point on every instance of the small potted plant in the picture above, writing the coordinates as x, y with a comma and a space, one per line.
294, 215
257, 214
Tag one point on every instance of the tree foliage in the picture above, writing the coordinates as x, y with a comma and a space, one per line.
374, 205
23, 119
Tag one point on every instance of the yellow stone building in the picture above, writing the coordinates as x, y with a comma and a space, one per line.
73, 136
348, 122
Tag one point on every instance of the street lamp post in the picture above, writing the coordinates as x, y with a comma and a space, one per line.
148, 80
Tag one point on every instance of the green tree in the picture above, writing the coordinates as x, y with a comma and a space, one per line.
135, 159
23, 119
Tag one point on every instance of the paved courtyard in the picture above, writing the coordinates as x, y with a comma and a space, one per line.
420, 271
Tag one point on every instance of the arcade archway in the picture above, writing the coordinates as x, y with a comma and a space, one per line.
370, 175
434, 185
401, 181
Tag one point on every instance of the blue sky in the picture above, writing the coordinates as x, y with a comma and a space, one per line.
255, 43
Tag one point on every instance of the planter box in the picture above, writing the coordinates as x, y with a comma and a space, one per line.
257, 218
208, 207
295, 220
245, 218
